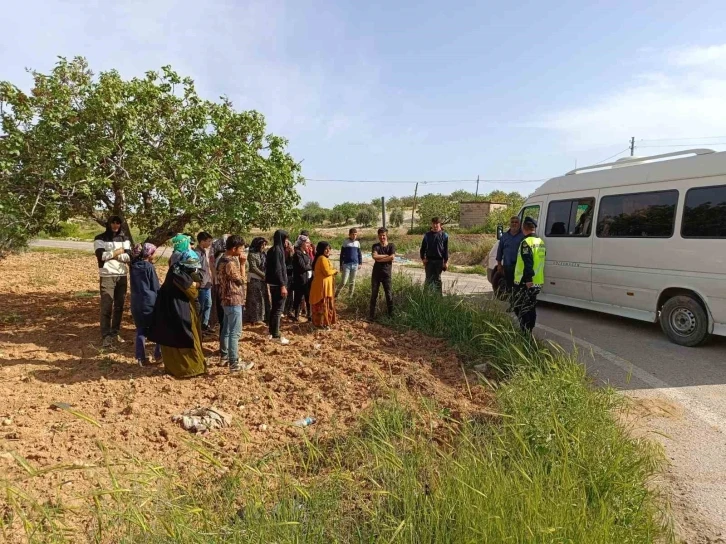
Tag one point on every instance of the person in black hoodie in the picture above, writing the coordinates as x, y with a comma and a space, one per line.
276, 278
302, 268
144, 287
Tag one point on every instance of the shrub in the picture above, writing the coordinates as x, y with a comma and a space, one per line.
367, 215
396, 217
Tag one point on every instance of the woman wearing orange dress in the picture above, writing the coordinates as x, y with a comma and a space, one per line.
322, 290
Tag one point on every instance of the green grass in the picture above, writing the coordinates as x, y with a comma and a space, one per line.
546, 463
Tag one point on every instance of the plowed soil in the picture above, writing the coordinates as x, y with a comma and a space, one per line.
50, 352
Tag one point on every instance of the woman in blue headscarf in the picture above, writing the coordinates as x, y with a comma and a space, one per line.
176, 325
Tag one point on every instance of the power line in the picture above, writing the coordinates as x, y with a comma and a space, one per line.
426, 182
682, 139
684, 145
613, 156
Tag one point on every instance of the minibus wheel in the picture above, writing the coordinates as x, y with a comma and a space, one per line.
684, 321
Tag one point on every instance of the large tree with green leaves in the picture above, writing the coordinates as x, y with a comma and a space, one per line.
148, 149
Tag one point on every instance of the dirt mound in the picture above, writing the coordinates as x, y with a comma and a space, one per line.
50, 353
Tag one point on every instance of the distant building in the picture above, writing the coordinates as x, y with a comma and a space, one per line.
474, 214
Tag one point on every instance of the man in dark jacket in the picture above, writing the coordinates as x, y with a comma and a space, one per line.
276, 278
435, 254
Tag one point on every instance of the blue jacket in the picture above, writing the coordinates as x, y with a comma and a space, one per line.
350, 253
509, 248
144, 287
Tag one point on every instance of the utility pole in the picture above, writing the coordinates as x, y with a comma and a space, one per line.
383, 210
477, 187
632, 146
413, 213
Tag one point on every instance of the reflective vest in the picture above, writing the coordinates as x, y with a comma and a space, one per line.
537, 247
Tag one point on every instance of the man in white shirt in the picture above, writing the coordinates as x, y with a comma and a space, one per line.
113, 253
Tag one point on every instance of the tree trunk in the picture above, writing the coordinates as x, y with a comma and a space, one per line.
168, 229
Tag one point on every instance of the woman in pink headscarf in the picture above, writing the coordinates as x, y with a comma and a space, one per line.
144, 287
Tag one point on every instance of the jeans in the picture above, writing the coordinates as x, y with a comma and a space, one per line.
113, 296
300, 293
376, 283
205, 305
434, 268
278, 303
141, 347
349, 272
231, 331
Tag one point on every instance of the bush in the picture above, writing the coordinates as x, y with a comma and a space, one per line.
396, 218
367, 216
441, 206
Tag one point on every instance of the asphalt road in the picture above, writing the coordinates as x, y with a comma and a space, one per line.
679, 394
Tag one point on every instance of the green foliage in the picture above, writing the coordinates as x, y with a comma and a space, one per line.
367, 216
347, 211
313, 213
441, 206
148, 149
396, 217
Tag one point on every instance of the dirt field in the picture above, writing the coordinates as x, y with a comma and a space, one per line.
50, 352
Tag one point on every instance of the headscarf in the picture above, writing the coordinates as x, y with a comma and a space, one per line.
181, 242
301, 240
143, 251
219, 245
189, 259
256, 244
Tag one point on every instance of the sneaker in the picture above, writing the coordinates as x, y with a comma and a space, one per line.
282, 340
241, 367
118, 339
141, 362
223, 361
107, 342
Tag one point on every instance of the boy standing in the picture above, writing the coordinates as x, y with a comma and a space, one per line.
351, 259
383, 255
231, 280
204, 240
435, 254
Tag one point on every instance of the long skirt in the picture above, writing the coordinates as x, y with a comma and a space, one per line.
257, 307
324, 313
186, 362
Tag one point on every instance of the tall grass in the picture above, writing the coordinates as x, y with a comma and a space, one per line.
554, 466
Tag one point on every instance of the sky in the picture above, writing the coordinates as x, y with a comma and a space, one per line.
409, 91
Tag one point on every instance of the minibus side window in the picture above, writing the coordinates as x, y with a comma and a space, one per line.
570, 217
637, 215
704, 215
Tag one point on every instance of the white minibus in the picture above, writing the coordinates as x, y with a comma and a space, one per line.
642, 237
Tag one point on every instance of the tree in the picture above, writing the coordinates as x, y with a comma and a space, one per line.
147, 149
396, 217
313, 213
367, 215
441, 206
347, 211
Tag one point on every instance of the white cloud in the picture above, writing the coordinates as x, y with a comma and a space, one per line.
700, 56
683, 97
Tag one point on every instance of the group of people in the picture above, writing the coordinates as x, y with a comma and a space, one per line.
256, 285
521, 259
261, 283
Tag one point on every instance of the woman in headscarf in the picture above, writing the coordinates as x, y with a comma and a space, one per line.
144, 287
276, 278
176, 324
180, 243
302, 271
257, 306
322, 289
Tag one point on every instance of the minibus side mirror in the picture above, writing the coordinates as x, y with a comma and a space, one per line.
500, 231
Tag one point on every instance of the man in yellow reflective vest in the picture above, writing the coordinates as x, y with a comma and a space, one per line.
529, 275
